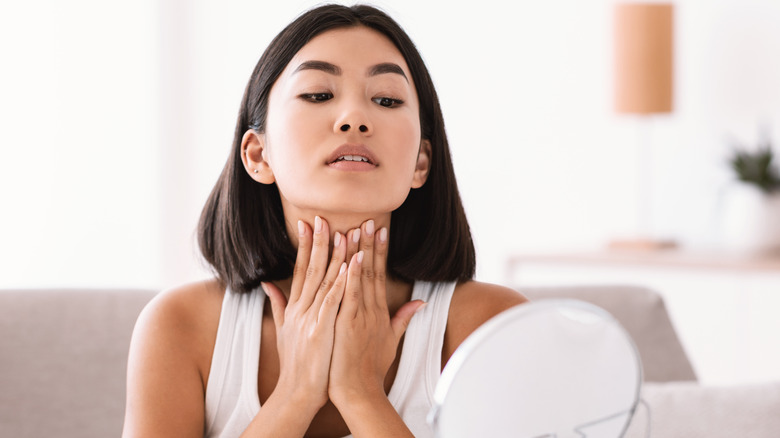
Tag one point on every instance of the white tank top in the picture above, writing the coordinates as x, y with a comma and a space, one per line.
231, 392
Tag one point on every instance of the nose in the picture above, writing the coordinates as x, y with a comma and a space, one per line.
353, 117
346, 127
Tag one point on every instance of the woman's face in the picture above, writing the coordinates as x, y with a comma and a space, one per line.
343, 127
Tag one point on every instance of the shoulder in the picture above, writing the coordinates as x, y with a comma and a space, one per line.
184, 319
482, 301
169, 360
473, 303
185, 307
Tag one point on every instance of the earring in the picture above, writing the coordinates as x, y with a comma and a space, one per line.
257, 171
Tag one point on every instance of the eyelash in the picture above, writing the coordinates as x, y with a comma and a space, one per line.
389, 102
316, 97
392, 102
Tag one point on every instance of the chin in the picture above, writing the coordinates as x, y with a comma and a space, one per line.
366, 211
377, 205
354, 202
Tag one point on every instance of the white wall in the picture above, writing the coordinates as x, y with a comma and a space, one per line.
116, 118
79, 149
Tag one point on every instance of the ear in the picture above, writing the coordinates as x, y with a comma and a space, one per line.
423, 164
253, 154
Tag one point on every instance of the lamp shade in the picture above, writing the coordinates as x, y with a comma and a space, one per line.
644, 45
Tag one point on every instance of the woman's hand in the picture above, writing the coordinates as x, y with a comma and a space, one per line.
366, 338
305, 325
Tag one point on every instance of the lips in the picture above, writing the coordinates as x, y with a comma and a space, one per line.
352, 158
352, 153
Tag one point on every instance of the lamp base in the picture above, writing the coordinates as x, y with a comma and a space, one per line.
642, 244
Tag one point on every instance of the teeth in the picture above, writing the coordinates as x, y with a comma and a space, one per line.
352, 158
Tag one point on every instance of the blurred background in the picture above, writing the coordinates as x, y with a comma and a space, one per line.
116, 118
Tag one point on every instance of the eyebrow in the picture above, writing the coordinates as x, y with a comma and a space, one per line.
383, 68
319, 65
387, 67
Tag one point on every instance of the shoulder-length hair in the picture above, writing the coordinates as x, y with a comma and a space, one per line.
242, 231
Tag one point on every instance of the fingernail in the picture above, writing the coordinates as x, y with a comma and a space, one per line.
383, 235
301, 230
356, 235
343, 268
370, 228
360, 257
337, 239
317, 224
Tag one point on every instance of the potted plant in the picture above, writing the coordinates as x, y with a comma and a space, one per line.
751, 217
757, 168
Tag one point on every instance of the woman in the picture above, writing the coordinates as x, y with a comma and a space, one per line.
340, 152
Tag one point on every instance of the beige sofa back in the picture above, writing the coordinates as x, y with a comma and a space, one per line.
63, 353
63, 360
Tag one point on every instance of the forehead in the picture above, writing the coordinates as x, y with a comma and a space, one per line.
353, 47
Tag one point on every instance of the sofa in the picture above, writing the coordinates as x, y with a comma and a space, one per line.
63, 363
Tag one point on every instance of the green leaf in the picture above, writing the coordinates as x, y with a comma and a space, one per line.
756, 167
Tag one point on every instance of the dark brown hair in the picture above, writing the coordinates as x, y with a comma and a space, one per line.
242, 231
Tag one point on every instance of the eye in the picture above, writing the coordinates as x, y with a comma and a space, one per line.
387, 102
316, 97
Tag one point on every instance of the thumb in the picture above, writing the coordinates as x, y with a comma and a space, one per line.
278, 302
401, 319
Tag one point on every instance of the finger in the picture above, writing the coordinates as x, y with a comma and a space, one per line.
352, 300
330, 304
301, 260
404, 315
318, 262
353, 238
278, 302
367, 273
381, 246
336, 261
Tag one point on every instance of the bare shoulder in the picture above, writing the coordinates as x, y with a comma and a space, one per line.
479, 300
187, 316
473, 303
169, 360
185, 304
183, 310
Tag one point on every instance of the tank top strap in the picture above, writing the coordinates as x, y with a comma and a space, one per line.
420, 365
234, 365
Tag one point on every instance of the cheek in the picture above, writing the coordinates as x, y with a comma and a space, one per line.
289, 132
407, 135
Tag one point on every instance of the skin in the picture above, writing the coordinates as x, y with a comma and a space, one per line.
332, 333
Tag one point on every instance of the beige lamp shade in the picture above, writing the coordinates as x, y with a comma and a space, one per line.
644, 45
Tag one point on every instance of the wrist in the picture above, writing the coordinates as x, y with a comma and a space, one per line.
370, 414
356, 397
302, 399
282, 414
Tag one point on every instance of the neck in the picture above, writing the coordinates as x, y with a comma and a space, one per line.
398, 292
337, 222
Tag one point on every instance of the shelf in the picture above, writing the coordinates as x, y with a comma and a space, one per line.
710, 260
723, 305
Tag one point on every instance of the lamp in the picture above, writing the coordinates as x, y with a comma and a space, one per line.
644, 81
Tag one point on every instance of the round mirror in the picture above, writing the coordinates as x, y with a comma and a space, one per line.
550, 368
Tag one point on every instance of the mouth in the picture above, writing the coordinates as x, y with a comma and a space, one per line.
352, 154
357, 158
